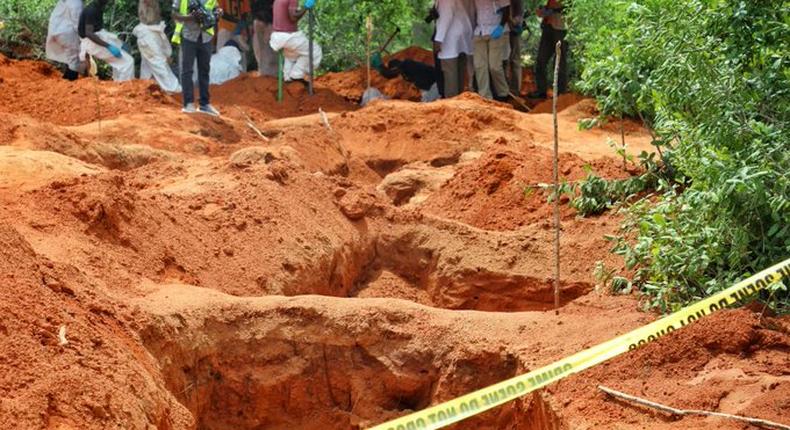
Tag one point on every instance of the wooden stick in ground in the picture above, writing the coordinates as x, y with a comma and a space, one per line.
252, 125
557, 55
622, 142
369, 28
311, 26
685, 412
325, 119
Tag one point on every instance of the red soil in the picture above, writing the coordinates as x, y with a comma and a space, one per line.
320, 276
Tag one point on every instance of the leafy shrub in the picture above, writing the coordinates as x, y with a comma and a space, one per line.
25, 32
595, 195
341, 28
25, 29
712, 79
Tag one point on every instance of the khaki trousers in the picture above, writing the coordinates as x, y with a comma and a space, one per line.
453, 70
490, 55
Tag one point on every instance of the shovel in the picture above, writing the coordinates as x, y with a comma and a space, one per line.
311, 26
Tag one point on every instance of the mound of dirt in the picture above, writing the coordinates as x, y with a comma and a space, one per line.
414, 53
506, 190
352, 84
88, 99
25, 170
69, 356
258, 96
732, 362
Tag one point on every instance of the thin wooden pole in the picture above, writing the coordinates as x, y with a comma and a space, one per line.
311, 26
280, 75
683, 412
369, 28
622, 141
557, 226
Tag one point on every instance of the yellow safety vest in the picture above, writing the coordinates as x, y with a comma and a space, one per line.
184, 10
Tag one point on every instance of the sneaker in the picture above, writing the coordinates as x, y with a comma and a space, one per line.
536, 95
189, 108
209, 110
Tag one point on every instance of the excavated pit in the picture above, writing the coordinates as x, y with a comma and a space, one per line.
452, 266
285, 363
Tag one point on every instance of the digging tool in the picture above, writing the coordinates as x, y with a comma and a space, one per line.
311, 26
369, 28
386, 44
280, 77
520, 101
377, 60
93, 71
370, 93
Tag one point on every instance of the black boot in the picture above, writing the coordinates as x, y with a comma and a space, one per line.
70, 75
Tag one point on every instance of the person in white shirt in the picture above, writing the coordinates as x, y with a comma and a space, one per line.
63, 40
453, 43
491, 47
155, 48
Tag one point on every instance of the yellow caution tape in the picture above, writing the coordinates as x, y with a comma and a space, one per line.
498, 394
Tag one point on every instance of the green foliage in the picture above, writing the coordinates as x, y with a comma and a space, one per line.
25, 27
341, 30
26, 22
595, 195
713, 80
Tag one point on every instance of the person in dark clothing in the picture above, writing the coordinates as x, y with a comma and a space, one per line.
513, 67
554, 30
195, 43
420, 74
433, 15
99, 43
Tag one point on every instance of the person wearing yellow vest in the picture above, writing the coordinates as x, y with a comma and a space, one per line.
194, 36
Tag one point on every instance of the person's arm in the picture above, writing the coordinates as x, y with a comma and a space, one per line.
295, 12
445, 11
91, 34
517, 13
505, 11
177, 16
182, 18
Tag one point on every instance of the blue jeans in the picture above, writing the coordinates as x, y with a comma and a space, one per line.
189, 52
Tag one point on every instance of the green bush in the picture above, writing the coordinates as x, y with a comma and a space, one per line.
341, 30
25, 29
595, 195
713, 80
26, 22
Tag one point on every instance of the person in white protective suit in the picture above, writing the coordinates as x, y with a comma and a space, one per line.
63, 41
226, 63
292, 42
101, 44
155, 48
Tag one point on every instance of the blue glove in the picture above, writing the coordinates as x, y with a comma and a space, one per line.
309, 4
498, 32
114, 51
518, 29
